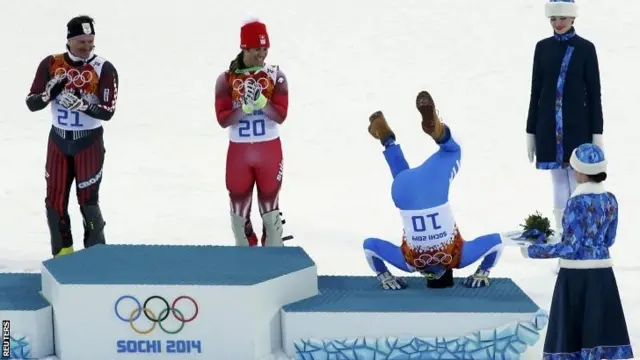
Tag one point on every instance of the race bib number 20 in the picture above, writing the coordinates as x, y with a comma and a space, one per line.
252, 128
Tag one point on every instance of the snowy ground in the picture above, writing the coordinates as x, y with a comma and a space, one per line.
164, 172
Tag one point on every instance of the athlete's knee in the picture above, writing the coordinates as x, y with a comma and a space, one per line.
57, 197
268, 200
370, 244
240, 203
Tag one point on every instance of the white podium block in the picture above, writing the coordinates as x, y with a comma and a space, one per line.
353, 318
27, 330
170, 302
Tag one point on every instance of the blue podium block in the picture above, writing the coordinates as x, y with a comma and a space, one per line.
353, 318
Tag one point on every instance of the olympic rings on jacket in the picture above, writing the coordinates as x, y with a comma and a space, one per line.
74, 76
156, 320
438, 258
239, 84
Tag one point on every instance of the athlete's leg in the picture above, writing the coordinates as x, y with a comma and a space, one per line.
441, 167
88, 167
377, 252
436, 173
427, 185
59, 177
269, 172
488, 248
379, 129
240, 180
395, 157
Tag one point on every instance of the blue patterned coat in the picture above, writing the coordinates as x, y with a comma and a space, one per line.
565, 108
589, 226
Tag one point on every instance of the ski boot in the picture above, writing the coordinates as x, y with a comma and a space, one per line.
284, 238
379, 128
431, 123
60, 231
94, 224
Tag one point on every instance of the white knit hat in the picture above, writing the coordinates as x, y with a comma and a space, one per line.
566, 8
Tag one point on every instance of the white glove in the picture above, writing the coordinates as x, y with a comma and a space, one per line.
596, 139
55, 83
72, 102
390, 282
479, 279
531, 146
251, 91
524, 250
253, 94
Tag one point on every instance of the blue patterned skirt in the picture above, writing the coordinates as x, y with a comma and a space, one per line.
586, 320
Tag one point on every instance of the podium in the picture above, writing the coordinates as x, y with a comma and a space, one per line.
221, 302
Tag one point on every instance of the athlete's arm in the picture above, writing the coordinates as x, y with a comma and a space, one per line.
34, 100
277, 108
107, 93
225, 113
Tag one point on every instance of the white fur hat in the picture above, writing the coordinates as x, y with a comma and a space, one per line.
588, 159
566, 8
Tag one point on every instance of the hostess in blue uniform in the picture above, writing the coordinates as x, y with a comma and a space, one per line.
586, 319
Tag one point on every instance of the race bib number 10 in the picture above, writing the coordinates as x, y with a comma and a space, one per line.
433, 225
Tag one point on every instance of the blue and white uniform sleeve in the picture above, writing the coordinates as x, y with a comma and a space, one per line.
573, 227
610, 234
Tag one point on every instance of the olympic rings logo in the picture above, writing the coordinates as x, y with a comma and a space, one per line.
74, 76
151, 316
239, 85
438, 258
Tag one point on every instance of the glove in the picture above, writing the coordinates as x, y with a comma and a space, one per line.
72, 102
596, 139
253, 94
479, 279
531, 146
247, 107
390, 282
53, 88
524, 250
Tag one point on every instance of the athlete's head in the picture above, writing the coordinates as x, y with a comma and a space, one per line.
254, 42
80, 36
433, 272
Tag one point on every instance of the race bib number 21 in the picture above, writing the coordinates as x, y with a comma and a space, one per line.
69, 118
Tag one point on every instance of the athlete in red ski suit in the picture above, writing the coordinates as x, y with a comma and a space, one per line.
251, 100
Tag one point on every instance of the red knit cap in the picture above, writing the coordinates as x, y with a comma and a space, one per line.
253, 34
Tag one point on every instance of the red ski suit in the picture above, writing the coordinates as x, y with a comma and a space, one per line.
254, 155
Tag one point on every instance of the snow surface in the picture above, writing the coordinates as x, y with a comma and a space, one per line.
164, 172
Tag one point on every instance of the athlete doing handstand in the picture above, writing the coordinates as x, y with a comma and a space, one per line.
431, 244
